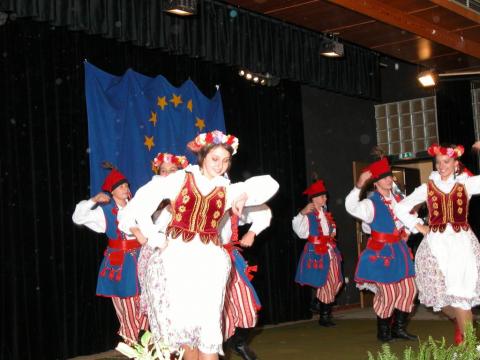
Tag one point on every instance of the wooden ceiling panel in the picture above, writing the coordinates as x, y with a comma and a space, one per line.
261, 6
376, 34
472, 33
410, 6
458, 9
432, 32
414, 51
444, 18
383, 12
453, 62
318, 16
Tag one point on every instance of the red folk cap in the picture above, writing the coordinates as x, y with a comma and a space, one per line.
316, 189
379, 169
113, 180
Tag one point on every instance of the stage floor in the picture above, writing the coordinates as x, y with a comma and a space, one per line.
352, 338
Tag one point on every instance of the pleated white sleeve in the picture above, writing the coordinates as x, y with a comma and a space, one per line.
403, 208
472, 185
94, 218
259, 190
362, 210
139, 210
162, 222
300, 226
259, 216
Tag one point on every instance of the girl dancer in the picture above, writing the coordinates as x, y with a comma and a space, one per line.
448, 259
187, 281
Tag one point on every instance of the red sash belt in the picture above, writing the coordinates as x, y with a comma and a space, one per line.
124, 245
378, 240
385, 238
321, 240
320, 243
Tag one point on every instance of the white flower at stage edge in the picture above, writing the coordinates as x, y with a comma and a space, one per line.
147, 349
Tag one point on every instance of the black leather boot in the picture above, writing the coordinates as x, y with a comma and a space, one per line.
326, 315
315, 306
400, 321
238, 343
383, 329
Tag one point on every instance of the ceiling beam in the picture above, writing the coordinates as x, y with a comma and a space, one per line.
458, 9
289, 7
378, 10
416, 37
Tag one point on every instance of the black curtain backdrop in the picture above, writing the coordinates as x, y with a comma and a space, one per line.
219, 33
456, 126
49, 266
335, 136
455, 117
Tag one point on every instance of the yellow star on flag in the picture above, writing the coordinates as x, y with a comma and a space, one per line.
149, 142
162, 102
176, 100
153, 118
190, 105
200, 123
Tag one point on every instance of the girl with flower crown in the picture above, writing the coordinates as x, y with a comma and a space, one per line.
447, 261
187, 280
163, 164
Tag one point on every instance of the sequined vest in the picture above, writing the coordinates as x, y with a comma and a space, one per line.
194, 213
451, 208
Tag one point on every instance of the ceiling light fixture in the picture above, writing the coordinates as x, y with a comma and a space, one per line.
265, 79
331, 48
427, 78
181, 7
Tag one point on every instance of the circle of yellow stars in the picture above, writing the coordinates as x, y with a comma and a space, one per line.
162, 103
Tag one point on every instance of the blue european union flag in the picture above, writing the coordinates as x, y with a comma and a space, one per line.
133, 117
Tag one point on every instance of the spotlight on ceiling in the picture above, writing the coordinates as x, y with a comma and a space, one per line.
331, 48
181, 7
265, 79
427, 78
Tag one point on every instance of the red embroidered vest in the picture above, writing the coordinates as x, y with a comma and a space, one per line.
451, 208
193, 213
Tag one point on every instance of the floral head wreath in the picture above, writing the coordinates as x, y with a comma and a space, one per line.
213, 137
180, 161
451, 152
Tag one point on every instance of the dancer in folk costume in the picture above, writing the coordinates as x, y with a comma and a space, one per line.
241, 300
117, 277
320, 262
448, 259
163, 164
187, 279
385, 266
